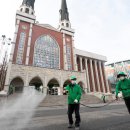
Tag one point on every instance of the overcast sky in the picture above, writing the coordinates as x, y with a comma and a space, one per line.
101, 26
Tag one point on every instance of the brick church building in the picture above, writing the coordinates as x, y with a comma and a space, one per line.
46, 56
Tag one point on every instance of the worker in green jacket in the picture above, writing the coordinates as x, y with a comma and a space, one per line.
74, 96
123, 85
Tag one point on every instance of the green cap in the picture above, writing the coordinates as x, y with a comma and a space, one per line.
73, 78
121, 74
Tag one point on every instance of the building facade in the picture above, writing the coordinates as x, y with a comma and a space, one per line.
114, 68
45, 56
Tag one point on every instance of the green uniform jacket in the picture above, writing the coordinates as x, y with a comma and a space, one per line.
74, 92
124, 86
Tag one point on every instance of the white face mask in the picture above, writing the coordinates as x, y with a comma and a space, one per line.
122, 78
73, 81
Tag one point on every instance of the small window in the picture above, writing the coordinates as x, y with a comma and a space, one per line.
62, 24
67, 25
27, 10
21, 9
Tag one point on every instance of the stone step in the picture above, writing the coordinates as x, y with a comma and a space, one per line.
53, 100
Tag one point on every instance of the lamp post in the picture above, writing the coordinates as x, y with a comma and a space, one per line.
5, 42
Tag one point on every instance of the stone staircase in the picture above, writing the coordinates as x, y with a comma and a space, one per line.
54, 100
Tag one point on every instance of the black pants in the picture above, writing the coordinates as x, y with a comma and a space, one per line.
127, 102
71, 109
104, 100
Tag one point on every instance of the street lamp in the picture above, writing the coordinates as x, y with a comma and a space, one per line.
5, 42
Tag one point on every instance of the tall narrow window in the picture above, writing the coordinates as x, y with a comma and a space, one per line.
46, 52
20, 51
68, 54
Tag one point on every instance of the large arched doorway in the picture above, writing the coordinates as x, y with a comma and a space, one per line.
67, 82
82, 86
53, 87
17, 84
37, 83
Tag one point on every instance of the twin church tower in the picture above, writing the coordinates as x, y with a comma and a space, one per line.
45, 56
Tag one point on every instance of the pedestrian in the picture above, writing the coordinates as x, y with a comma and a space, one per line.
103, 98
11, 89
74, 95
41, 88
123, 85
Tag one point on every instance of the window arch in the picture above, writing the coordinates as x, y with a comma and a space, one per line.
20, 52
46, 52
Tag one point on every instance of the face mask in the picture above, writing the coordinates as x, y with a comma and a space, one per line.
122, 78
73, 81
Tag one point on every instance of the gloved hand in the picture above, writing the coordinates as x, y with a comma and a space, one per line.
75, 101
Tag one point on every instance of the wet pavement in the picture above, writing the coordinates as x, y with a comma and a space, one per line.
111, 117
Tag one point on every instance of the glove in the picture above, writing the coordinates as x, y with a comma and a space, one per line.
75, 101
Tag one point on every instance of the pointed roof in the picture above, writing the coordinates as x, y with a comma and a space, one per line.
64, 11
29, 3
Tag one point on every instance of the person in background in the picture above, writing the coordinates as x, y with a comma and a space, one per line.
74, 95
123, 85
103, 98
11, 89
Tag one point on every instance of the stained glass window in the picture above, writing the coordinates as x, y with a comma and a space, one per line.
20, 52
46, 52
68, 53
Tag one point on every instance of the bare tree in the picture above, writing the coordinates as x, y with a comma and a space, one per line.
3, 70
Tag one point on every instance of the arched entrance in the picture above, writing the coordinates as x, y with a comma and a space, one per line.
53, 87
67, 82
37, 83
82, 86
17, 84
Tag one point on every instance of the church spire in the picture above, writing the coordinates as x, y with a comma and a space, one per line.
64, 22
64, 16
29, 3
27, 7
64, 11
